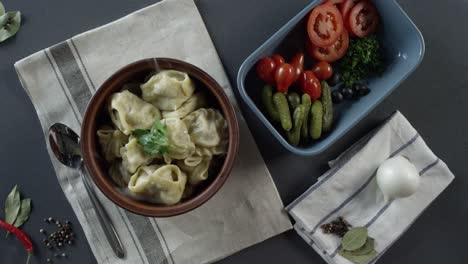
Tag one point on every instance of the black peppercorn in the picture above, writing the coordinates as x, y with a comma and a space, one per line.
42, 231
48, 260
51, 219
338, 227
64, 255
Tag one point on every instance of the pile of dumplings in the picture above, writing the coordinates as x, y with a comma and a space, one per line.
196, 134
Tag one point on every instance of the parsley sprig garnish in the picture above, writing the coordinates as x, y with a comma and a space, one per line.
363, 58
154, 140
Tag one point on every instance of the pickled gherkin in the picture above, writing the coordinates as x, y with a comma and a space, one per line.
267, 101
316, 112
306, 102
294, 136
281, 104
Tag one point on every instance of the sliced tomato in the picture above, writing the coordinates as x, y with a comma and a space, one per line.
363, 19
332, 53
334, 2
325, 25
345, 10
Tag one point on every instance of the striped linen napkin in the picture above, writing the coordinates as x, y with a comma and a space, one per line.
349, 190
60, 81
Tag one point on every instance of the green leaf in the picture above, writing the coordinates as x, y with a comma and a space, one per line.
368, 247
12, 205
2, 9
355, 238
154, 141
24, 212
360, 259
10, 23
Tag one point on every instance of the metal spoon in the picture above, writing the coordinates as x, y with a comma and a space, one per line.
65, 144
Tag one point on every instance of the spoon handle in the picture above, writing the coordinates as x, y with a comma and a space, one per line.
103, 218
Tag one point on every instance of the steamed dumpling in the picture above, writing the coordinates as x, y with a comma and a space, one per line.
193, 160
159, 184
181, 144
208, 130
168, 90
111, 141
133, 156
128, 112
198, 173
193, 103
119, 174
220, 149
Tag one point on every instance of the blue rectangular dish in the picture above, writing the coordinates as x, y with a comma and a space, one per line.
404, 50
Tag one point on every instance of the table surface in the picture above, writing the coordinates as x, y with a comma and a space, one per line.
433, 99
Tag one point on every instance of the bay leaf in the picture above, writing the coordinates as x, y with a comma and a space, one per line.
24, 212
12, 205
2, 9
359, 259
368, 247
355, 238
10, 23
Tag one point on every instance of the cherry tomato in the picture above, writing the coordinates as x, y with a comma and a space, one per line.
285, 76
279, 60
332, 53
323, 70
345, 10
298, 63
325, 25
334, 2
310, 85
363, 19
266, 69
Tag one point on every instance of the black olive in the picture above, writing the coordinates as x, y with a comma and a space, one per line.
364, 90
335, 79
347, 93
337, 97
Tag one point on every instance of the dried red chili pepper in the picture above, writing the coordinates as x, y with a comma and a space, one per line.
20, 235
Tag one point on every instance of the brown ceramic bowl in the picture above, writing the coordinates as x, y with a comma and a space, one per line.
96, 115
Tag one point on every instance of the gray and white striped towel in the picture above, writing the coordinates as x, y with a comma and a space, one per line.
61, 80
349, 189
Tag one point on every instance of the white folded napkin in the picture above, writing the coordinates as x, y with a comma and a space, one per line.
60, 81
349, 190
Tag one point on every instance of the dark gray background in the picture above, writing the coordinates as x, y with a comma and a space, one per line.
433, 99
